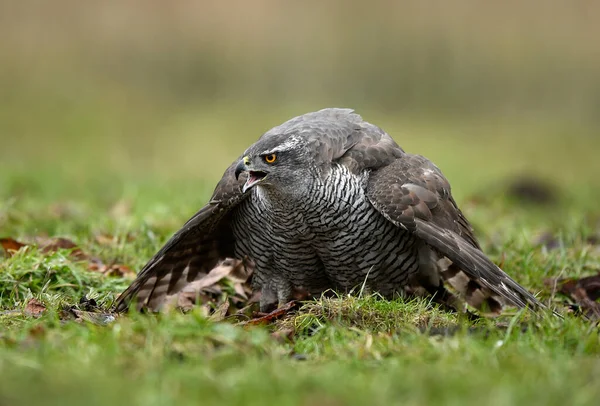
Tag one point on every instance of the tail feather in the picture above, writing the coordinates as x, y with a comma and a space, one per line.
476, 295
473, 273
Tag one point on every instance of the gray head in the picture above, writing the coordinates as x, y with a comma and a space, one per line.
288, 157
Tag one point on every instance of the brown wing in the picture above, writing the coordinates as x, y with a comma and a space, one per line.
195, 249
412, 193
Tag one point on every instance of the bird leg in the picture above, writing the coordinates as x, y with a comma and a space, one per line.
275, 293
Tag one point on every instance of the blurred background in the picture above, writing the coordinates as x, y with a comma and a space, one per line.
102, 95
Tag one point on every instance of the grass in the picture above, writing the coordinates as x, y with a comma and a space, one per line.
346, 350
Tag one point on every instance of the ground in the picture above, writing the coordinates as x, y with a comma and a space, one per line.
120, 200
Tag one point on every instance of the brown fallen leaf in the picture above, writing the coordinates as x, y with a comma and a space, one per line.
240, 271
186, 300
585, 292
120, 270
274, 315
219, 293
34, 308
590, 284
10, 245
214, 276
589, 307
113, 270
51, 245
105, 239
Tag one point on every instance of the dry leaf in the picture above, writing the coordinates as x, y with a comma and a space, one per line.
590, 285
240, 290
116, 270
34, 308
11, 245
120, 270
105, 239
584, 291
274, 315
213, 290
214, 276
220, 312
240, 271
186, 300
51, 245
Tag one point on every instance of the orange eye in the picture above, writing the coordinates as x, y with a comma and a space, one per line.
270, 158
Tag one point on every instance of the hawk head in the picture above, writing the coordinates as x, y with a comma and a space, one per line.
278, 162
290, 157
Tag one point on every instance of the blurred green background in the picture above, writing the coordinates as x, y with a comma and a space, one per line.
99, 94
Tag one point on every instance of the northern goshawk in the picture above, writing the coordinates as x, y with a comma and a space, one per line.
329, 201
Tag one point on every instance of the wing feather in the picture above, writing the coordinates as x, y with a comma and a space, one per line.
412, 193
192, 252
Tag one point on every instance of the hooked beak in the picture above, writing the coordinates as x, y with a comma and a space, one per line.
242, 166
254, 177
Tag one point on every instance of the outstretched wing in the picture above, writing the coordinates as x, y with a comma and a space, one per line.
194, 250
412, 193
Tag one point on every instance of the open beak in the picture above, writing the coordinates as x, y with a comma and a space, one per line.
254, 177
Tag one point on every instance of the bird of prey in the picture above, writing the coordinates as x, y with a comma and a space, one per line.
327, 201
